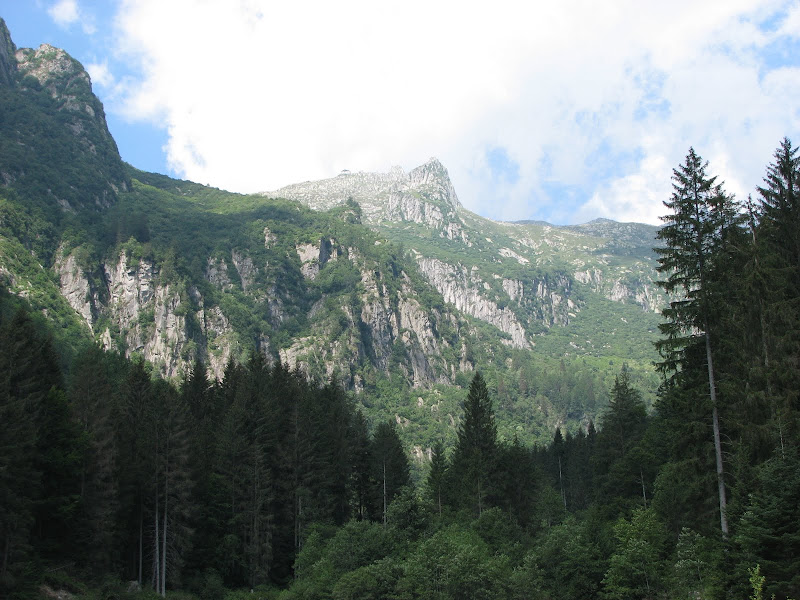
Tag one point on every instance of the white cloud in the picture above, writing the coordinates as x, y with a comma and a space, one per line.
791, 24
601, 99
67, 12
100, 74
64, 12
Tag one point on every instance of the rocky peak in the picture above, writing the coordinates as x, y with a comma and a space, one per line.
425, 196
48, 64
76, 125
433, 177
8, 62
63, 77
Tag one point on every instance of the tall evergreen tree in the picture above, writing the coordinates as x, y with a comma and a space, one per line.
694, 237
19, 478
617, 458
202, 420
91, 401
779, 292
437, 477
768, 533
390, 470
173, 484
475, 455
361, 489
138, 432
516, 481
780, 205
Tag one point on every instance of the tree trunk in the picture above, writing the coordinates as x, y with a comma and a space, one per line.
6, 552
156, 578
141, 540
644, 490
384, 492
723, 518
164, 544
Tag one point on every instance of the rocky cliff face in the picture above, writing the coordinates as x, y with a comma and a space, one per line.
8, 61
383, 326
130, 308
75, 287
626, 287
465, 289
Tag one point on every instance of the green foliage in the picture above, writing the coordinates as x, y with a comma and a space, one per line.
375, 581
767, 534
474, 459
565, 561
694, 572
454, 563
635, 567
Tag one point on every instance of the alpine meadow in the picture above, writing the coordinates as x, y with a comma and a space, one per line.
356, 388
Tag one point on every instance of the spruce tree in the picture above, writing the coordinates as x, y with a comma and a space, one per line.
390, 470
780, 204
694, 235
475, 454
19, 478
779, 291
90, 394
360, 488
437, 475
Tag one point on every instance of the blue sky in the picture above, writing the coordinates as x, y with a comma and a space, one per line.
562, 112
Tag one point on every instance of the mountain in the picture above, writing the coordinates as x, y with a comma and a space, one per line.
523, 278
384, 281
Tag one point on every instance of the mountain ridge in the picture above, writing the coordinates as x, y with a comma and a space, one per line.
392, 286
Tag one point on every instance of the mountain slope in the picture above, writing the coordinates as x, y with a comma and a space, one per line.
383, 281
523, 278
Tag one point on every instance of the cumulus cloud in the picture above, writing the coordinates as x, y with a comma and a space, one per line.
100, 74
64, 12
590, 104
67, 12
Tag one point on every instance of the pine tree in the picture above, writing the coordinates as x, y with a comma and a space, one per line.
19, 480
516, 481
694, 237
173, 483
202, 419
253, 514
623, 421
137, 434
780, 205
390, 470
91, 401
768, 532
361, 490
475, 455
437, 477
779, 278
618, 459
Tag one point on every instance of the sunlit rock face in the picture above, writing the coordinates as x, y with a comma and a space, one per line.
425, 196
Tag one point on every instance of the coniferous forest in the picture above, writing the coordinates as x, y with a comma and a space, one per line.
115, 483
